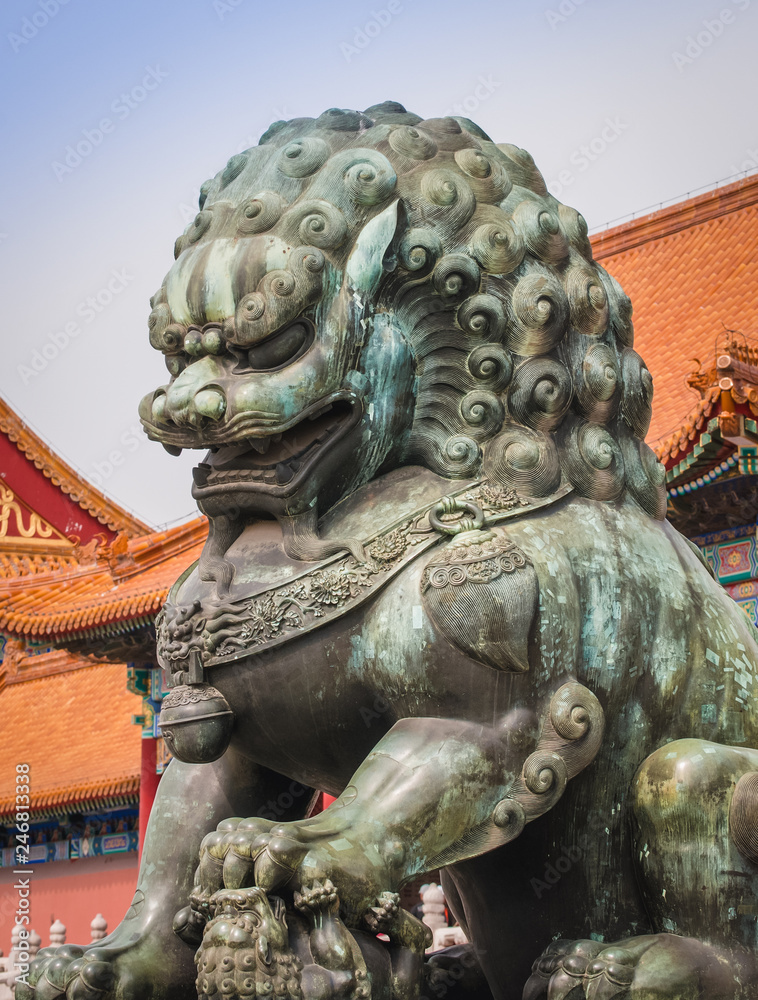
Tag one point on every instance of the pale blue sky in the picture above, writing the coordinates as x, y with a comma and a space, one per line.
662, 94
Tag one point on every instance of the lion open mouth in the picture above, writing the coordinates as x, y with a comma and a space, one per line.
282, 459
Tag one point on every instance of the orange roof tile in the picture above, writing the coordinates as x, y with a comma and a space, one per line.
14, 564
690, 270
671, 446
122, 583
74, 730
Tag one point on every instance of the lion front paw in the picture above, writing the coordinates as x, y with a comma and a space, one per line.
588, 969
280, 857
228, 855
381, 918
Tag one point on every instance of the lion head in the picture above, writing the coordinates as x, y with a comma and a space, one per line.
367, 290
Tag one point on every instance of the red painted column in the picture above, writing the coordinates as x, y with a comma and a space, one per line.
148, 786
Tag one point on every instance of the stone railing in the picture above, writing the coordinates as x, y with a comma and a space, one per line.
21, 953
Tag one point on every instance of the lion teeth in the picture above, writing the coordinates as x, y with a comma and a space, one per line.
283, 474
261, 445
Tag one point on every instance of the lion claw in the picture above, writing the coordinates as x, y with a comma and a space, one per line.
380, 918
278, 862
317, 899
588, 970
579, 970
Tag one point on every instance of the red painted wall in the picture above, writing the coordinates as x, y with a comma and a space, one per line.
71, 891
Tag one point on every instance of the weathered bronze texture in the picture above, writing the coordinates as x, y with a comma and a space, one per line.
438, 584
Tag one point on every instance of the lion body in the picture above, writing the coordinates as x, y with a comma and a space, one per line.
438, 581
625, 606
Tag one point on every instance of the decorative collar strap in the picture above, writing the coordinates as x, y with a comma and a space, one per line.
225, 631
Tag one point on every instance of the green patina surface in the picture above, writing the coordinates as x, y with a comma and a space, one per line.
439, 584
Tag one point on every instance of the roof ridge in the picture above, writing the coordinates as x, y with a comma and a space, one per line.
159, 546
101, 788
53, 467
676, 218
30, 581
113, 594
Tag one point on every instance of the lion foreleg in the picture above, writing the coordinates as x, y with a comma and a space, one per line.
143, 957
432, 792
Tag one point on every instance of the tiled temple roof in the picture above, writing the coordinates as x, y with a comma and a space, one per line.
62, 476
691, 271
111, 586
75, 732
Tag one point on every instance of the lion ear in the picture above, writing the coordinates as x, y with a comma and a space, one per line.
374, 251
264, 950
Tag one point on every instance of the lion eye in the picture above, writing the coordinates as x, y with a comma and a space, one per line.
281, 349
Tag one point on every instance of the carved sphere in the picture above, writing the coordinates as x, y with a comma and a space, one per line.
196, 723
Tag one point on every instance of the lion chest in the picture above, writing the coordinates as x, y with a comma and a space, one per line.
325, 697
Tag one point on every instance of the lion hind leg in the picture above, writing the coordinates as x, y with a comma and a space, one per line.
694, 818
664, 966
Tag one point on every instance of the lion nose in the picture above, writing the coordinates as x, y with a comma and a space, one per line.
210, 403
193, 410
196, 396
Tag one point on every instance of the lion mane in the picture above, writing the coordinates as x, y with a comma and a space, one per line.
524, 367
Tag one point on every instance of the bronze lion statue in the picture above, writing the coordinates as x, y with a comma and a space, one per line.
438, 584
